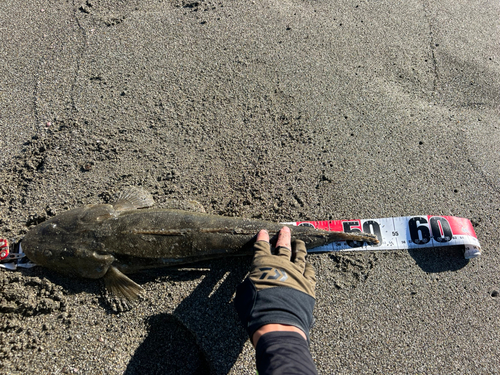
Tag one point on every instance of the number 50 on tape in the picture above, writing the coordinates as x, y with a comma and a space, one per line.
403, 233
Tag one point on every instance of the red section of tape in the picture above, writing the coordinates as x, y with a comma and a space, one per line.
459, 225
4, 248
329, 225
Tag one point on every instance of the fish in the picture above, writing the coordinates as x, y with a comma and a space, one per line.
108, 241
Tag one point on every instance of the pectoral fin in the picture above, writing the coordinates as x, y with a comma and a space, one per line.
132, 198
120, 285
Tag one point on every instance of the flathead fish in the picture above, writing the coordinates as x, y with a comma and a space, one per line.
111, 240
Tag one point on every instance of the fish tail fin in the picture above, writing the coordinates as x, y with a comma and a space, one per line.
120, 285
369, 238
132, 198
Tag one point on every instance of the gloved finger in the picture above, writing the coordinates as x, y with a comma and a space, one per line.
261, 246
310, 275
300, 253
284, 238
284, 252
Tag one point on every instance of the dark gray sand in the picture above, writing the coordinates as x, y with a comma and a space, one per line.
273, 109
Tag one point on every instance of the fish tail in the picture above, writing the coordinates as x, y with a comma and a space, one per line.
369, 238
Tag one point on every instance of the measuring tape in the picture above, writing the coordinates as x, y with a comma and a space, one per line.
402, 233
4, 248
13, 259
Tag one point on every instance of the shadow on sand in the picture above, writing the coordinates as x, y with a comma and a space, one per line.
439, 259
203, 335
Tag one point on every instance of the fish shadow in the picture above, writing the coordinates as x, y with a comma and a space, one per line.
204, 333
439, 259
70, 285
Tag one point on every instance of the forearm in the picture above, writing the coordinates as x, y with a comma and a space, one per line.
275, 328
284, 352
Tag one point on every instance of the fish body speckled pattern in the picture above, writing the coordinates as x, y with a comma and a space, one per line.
110, 240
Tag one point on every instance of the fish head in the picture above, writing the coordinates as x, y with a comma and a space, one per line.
69, 242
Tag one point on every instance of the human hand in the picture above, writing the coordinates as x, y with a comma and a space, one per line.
278, 294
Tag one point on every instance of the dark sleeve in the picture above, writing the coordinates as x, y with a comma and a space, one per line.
280, 353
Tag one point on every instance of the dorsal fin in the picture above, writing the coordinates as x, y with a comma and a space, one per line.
132, 198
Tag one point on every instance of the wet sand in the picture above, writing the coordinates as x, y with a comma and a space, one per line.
277, 110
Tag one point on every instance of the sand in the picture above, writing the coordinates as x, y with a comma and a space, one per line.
281, 110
